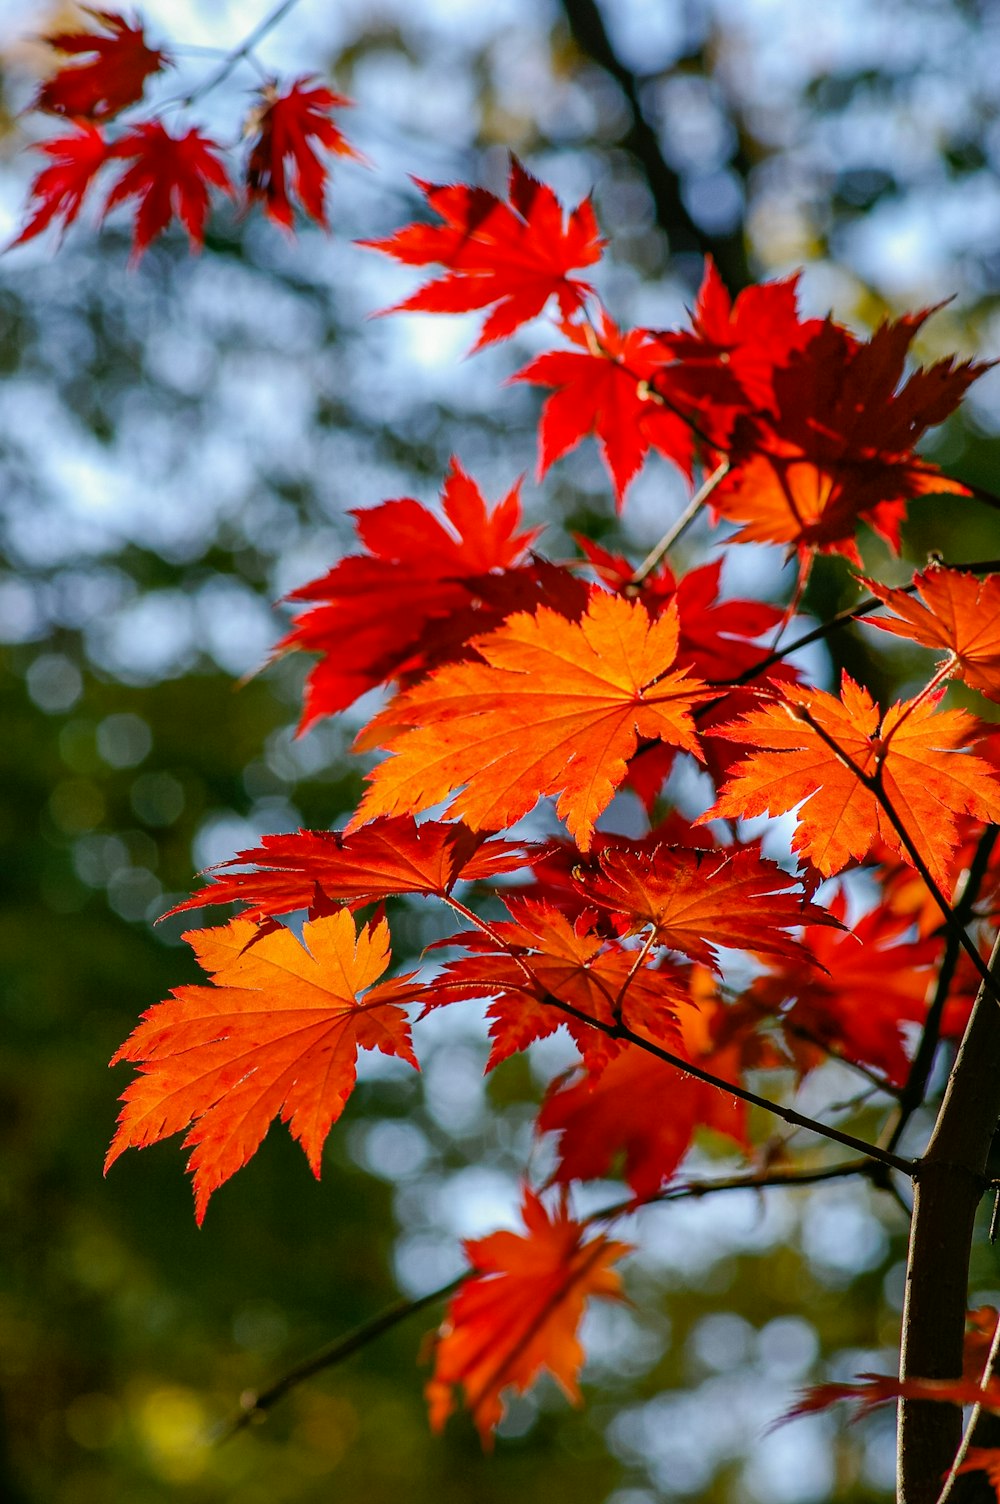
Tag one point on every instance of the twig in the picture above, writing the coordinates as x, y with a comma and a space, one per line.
916, 1083
681, 525
873, 783
973, 1420
232, 59
697, 1189
843, 619
535, 988
255, 1405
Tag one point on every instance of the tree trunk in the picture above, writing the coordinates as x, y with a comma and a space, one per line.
949, 1186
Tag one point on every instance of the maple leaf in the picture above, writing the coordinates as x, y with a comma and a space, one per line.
699, 900
170, 175
97, 86
863, 986
873, 1389
918, 753
519, 1313
278, 1032
376, 611
285, 124
385, 857
58, 190
514, 255
839, 446
556, 707
540, 959
602, 388
643, 1110
726, 364
961, 614
717, 643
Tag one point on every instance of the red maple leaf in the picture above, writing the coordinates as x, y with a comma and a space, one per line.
519, 1313
810, 738
554, 707
602, 388
838, 447
97, 86
170, 175
514, 255
374, 616
540, 960
285, 125
59, 189
873, 1389
643, 1110
385, 857
863, 987
725, 365
961, 614
278, 1032
696, 901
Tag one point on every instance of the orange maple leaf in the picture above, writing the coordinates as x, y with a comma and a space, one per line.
277, 1033
697, 900
962, 614
556, 707
539, 959
97, 87
387, 856
285, 125
918, 753
515, 255
170, 175
519, 1313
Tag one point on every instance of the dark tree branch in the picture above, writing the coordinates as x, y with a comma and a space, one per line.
587, 28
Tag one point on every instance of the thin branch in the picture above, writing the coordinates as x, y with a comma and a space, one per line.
972, 1422
698, 1189
681, 525
923, 1060
788, 1115
234, 58
253, 1406
873, 783
844, 618
982, 493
